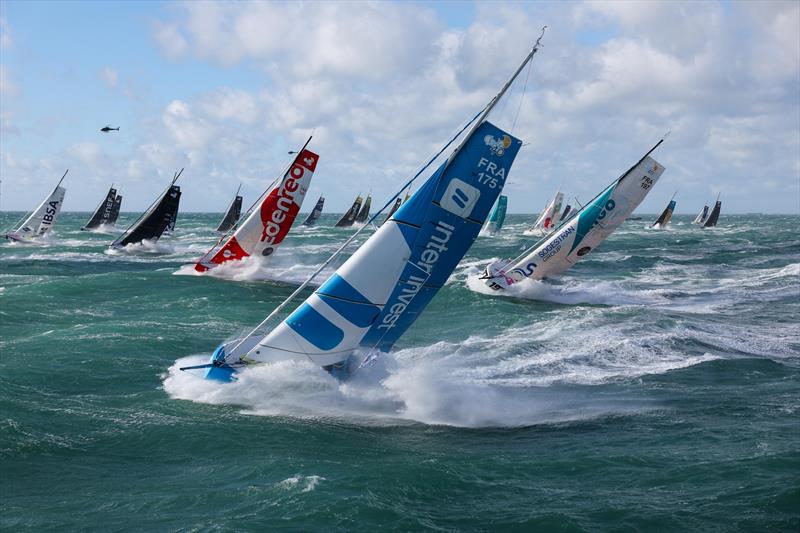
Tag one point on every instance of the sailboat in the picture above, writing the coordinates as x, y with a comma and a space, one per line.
102, 215
548, 217
564, 213
712, 219
348, 218
155, 220
232, 214
364, 213
397, 203
666, 215
42, 219
498, 216
701, 216
377, 294
315, 213
589, 227
267, 225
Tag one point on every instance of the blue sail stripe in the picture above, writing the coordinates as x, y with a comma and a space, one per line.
315, 328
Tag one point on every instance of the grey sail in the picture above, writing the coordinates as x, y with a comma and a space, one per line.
112, 219
350, 217
156, 220
102, 214
232, 215
364, 213
711, 221
315, 213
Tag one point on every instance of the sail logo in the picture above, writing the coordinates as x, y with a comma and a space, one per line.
497, 146
459, 198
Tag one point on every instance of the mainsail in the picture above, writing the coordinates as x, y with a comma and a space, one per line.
397, 203
589, 227
102, 214
155, 220
375, 296
232, 214
711, 221
312, 218
43, 218
267, 225
701, 216
498, 216
566, 212
549, 216
348, 218
666, 215
364, 213
112, 219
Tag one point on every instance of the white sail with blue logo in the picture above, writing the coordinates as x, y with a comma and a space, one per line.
581, 233
378, 293
42, 219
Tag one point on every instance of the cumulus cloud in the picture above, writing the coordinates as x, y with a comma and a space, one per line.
110, 76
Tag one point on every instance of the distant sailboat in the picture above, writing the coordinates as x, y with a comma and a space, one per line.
566, 212
349, 218
712, 219
155, 220
42, 219
666, 215
548, 217
701, 216
496, 219
232, 214
397, 203
364, 213
103, 213
378, 293
268, 221
315, 213
587, 229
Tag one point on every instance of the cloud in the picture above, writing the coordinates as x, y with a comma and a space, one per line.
5, 34
110, 76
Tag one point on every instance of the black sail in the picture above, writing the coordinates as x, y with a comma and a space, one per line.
394, 208
155, 221
350, 217
364, 213
112, 219
565, 213
102, 214
315, 213
666, 215
232, 216
711, 221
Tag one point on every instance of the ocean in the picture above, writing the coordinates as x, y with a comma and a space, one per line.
653, 387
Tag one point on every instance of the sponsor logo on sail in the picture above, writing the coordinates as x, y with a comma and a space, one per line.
459, 198
496, 145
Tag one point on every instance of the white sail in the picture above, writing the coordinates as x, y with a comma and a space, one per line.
43, 218
549, 216
701, 216
582, 233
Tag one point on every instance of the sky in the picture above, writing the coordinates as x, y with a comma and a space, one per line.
225, 89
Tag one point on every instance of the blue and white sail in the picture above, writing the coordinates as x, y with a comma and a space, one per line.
378, 293
496, 219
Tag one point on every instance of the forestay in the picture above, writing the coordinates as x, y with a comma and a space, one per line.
589, 227
266, 227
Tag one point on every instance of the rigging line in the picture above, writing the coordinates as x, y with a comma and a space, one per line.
522, 96
354, 235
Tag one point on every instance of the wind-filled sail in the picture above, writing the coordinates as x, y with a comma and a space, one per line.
549, 216
589, 227
701, 216
43, 218
566, 212
397, 203
375, 296
155, 221
349, 218
232, 214
498, 216
267, 225
665, 216
364, 213
712, 219
102, 214
112, 218
315, 213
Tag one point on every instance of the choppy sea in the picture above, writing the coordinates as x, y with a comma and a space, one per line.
654, 387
